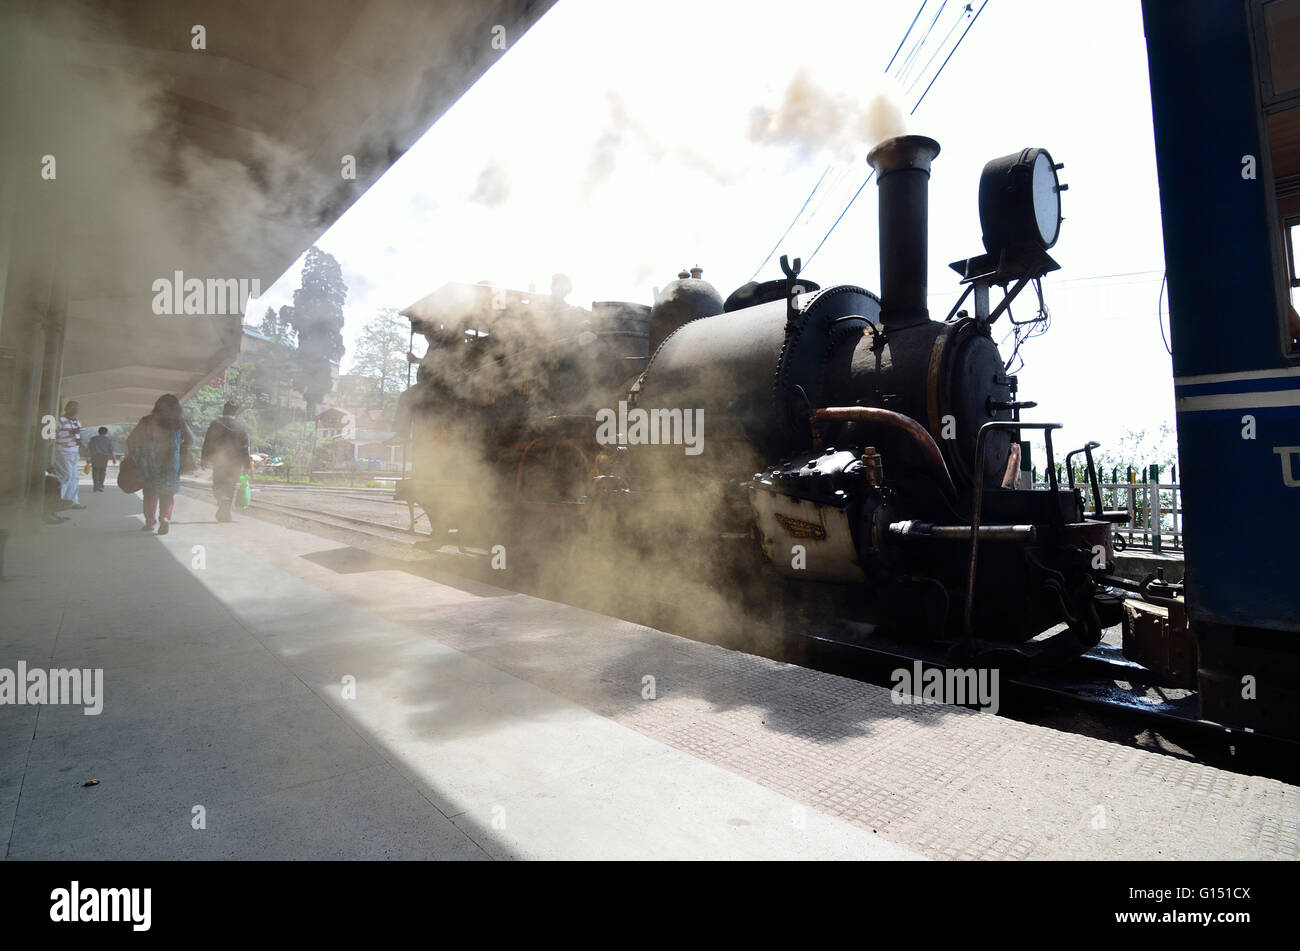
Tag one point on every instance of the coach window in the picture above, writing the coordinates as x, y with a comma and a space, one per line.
1277, 32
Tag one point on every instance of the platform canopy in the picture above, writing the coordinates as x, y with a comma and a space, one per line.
214, 138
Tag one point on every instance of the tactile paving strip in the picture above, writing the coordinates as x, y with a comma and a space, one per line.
945, 781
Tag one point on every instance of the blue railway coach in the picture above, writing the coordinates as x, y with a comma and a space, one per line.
1225, 94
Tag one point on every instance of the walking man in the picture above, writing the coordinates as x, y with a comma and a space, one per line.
225, 449
67, 454
101, 451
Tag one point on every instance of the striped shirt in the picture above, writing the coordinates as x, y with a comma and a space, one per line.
69, 435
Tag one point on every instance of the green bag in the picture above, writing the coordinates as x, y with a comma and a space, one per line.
244, 495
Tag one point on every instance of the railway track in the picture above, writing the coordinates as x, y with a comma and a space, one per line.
1101, 686
334, 519
272, 498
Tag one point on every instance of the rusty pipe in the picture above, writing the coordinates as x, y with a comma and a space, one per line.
906, 425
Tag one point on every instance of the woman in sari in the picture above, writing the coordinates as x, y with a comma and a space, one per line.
157, 445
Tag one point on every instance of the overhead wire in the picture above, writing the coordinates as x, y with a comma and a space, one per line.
840, 177
919, 10
1098, 278
793, 222
956, 46
937, 74
942, 43
827, 192
919, 45
869, 177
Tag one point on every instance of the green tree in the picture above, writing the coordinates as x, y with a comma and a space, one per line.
1140, 448
241, 384
380, 357
279, 367
203, 407
354, 390
279, 327
1137, 448
317, 317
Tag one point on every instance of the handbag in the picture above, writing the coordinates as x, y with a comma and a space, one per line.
128, 476
244, 494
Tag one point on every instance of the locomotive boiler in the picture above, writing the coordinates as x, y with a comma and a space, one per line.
839, 437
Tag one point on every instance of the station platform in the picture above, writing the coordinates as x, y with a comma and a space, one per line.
489, 724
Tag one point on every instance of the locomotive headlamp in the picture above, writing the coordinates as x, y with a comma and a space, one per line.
1020, 202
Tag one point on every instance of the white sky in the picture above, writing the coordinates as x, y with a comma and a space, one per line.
687, 185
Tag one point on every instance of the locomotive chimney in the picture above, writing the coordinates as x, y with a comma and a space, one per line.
902, 167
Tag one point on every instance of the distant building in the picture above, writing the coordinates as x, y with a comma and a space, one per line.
359, 434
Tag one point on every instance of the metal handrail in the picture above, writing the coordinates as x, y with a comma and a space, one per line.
1092, 472
978, 501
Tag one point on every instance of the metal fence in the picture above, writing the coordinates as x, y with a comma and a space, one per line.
1154, 507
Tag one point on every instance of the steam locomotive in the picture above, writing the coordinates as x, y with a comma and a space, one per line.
837, 436
858, 451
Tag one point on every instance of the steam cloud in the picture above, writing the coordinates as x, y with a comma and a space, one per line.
816, 118
624, 130
541, 370
140, 194
147, 182
135, 197
493, 186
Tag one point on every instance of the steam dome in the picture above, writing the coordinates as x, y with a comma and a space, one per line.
685, 299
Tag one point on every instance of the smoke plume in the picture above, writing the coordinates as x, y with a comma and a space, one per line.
493, 186
815, 118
